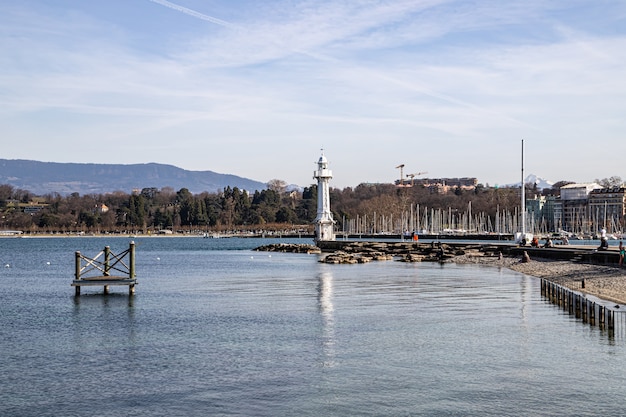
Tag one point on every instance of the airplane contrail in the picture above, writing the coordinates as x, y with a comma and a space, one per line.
418, 88
194, 13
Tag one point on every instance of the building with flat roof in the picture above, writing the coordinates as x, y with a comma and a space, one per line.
572, 212
607, 208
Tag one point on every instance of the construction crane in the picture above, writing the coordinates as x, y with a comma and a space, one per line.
401, 183
417, 174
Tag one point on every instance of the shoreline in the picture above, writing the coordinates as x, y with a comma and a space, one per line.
606, 281
603, 281
158, 235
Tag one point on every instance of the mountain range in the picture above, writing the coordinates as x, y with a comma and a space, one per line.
66, 178
42, 178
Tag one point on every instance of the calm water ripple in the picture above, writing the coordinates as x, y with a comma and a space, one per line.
218, 329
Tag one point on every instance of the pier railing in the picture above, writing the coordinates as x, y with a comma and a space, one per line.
98, 270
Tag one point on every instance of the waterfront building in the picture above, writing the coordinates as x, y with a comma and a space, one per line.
549, 212
541, 213
534, 208
574, 207
32, 207
607, 207
444, 185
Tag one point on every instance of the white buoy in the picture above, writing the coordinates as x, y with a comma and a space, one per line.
7, 266
158, 259
48, 263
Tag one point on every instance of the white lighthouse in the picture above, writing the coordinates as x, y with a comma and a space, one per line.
324, 223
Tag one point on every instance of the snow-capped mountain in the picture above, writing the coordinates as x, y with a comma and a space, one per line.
533, 179
541, 182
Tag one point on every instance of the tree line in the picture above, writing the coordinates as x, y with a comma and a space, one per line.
232, 209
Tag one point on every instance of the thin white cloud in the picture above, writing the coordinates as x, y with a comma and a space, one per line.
286, 73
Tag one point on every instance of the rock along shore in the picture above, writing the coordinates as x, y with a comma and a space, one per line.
604, 281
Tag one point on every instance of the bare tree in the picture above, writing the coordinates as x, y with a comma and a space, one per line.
614, 181
277, 185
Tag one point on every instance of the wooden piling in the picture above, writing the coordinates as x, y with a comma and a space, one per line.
602, 314
107, 258
131, 268
570, 302
592, 314
588, 311
77, 272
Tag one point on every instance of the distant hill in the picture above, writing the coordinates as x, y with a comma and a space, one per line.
65, 178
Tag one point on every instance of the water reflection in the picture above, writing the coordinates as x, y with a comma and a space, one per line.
325, 305
114, 317
104, 300
526, 291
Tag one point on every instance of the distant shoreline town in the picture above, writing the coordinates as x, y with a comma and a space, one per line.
457, 206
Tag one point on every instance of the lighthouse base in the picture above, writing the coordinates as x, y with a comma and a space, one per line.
324, 232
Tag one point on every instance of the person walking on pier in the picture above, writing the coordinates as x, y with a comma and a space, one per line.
622, 252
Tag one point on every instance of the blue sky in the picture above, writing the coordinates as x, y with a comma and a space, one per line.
257, 88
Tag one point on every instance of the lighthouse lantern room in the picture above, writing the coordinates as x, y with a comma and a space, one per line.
324, 223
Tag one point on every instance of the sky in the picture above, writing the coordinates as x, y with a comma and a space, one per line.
259, 88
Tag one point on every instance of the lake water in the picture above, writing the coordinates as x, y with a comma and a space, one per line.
218, 329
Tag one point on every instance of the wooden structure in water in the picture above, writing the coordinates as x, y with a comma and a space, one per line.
103, 265
596, 313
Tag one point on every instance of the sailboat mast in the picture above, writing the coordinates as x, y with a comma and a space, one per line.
523, 205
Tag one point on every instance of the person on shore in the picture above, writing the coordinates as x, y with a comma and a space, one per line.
440, 252
622, 252
535, 242
548, 243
